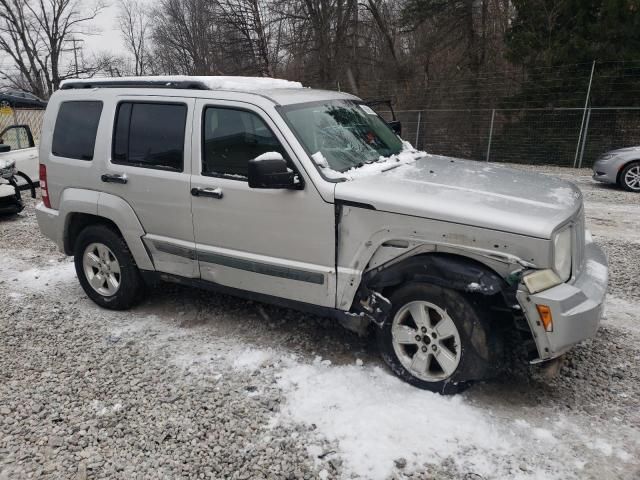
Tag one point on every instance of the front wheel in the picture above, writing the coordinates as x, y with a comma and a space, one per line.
436, 339
630, 177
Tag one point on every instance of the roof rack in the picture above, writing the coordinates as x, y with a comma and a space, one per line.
179, 84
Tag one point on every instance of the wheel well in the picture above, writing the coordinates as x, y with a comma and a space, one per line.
458, 272
620, 170
471, 277
78, 222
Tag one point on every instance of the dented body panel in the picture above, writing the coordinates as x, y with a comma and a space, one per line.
383, 237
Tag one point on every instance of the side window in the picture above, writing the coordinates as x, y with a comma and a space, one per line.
233, 137
17, 137
74, 135
150, 135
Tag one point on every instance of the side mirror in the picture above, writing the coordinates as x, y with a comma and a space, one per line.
270, 170
4, 148
396, 126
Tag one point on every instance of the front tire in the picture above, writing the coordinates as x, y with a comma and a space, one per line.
106, 269
630, 177
437, 339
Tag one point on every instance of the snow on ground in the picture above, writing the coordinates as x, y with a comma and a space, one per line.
33, 279
375, 419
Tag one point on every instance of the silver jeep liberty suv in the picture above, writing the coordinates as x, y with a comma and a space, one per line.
307, 198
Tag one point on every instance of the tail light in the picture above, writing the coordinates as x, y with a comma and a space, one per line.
44, 189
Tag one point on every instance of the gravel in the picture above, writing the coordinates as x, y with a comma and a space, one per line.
194, 385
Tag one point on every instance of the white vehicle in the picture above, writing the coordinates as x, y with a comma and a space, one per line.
18, 167
307, 198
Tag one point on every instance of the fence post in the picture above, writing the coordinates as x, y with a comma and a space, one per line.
15, 122
418, 129
584, 138
584, 113
493, 116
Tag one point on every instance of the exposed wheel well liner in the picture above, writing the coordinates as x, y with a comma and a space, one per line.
442, 269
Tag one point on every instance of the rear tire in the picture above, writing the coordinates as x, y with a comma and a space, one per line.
106, 269
630, 177
437, 339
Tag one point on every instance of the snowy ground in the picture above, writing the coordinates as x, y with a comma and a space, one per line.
194, 385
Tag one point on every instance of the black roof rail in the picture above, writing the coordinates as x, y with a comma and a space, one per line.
179, 84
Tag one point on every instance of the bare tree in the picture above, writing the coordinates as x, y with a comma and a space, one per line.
318, 34
185, 35
134, 21
250, 19
35, 34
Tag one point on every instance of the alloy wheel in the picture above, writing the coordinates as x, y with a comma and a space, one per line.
102, 269
632, 178
426, 341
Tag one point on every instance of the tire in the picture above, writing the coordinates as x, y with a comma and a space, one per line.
630, 177
114, 264
456, 328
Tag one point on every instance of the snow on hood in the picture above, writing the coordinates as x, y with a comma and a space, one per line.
406, 156
212, 82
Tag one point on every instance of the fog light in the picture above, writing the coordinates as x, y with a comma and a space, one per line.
546, 317
541, 280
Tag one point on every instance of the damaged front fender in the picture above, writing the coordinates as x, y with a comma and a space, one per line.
445, 270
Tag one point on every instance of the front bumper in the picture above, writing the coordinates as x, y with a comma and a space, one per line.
576, 307
606, 171
603, 177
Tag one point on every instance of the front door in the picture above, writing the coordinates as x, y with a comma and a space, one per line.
276, 242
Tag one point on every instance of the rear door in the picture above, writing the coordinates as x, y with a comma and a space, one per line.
272, 241
148, 167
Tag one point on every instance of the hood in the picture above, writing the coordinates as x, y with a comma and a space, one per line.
468, 192
623, 150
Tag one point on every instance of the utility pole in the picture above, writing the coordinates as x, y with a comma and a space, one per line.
75, 54
76, 46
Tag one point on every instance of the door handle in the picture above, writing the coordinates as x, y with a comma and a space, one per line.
114, 178
207, 192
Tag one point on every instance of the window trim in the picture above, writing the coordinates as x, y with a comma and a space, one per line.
149, 167
236, 177
53, 134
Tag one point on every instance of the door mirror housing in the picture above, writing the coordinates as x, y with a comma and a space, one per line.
4, 148
270, 170
396, 126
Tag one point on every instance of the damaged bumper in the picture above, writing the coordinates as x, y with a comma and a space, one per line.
576, 308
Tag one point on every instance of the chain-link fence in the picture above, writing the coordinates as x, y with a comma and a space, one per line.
19, 116
556, 136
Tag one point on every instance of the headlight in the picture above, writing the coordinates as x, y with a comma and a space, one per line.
541, 280
606, 158
562, 254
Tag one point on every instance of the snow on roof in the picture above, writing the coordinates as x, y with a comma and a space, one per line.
211, 82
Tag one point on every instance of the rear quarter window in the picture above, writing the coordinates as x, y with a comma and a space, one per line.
74, 135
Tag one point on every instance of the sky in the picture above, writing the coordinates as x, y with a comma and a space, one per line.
109, 39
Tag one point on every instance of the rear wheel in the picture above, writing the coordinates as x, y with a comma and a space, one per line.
436, 339
106, 269
630, 177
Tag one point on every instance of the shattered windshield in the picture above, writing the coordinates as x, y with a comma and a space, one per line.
346, 133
